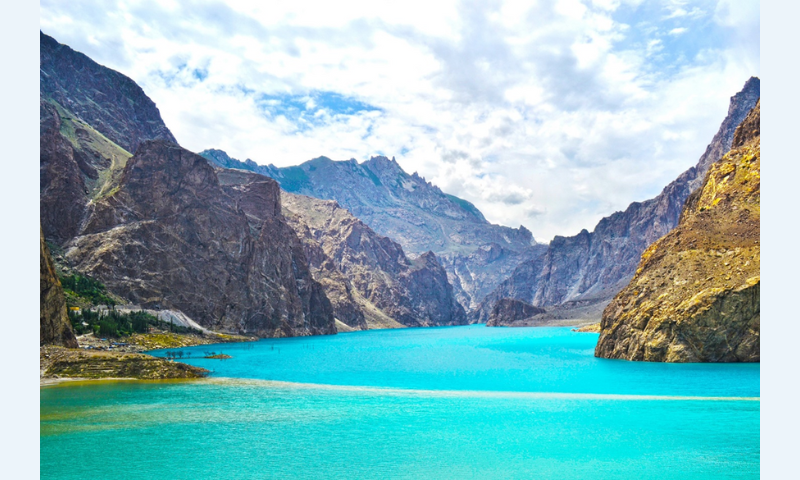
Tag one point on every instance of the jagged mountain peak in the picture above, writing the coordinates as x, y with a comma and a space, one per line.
413, 212
109, 101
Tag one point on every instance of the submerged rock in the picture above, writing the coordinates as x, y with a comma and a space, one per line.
695, 296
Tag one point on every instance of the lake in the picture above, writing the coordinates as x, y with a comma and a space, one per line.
450, 402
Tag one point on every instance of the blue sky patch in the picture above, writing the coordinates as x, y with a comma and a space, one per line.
310, 110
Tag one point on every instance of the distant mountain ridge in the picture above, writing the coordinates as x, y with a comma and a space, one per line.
374, 271
406, 208
590, 268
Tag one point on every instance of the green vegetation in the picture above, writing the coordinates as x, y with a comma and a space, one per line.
86, 139
111, 323
80, 290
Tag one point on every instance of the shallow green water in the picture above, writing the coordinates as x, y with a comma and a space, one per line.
462, 402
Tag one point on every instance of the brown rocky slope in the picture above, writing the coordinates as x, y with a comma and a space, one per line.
54, 325
695, 296
171, 236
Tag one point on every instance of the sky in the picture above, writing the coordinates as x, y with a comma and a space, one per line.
547, 114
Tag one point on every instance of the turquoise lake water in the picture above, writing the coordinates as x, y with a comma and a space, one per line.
454, 402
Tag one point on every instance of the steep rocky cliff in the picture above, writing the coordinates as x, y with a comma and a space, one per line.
364, 271
54, 325
418, 215
695, 295
592, 267
90, 119
171, 236
106, 99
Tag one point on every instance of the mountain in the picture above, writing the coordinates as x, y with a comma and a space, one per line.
170, 235
367, 276
156, 227
476, 254
695, 296
106, 99
91, 119
54, 325
578, 275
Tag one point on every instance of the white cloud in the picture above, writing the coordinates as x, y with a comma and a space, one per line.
540, 113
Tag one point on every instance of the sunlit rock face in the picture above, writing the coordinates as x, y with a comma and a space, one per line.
592, 267
695, 296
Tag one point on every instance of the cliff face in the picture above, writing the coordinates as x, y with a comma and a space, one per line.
695, 295
477, 255
106, 99
364, 272
169, 235
54, 325
593, 267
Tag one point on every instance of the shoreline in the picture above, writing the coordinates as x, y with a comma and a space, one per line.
395, 391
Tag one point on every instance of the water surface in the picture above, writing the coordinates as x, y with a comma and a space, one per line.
458, 402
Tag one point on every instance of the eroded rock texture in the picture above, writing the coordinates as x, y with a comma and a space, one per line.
695, 295
106, 99
171, 236
54, 325
476, 254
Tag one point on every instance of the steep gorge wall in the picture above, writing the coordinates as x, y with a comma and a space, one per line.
696, 293
595, 266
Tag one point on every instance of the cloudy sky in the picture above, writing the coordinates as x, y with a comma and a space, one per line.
549, 114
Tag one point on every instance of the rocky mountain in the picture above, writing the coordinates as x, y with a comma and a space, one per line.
158, 228
54, 325
476, 254
91, 119
578, 275
172, 236
695, 295
368, 277
106, 99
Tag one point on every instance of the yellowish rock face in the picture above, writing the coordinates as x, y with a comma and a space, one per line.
695, 296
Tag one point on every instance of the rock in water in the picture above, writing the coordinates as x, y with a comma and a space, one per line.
507, 311
54, 324
171, 236
695, 296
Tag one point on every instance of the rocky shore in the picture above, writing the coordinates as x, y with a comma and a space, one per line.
58, 363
